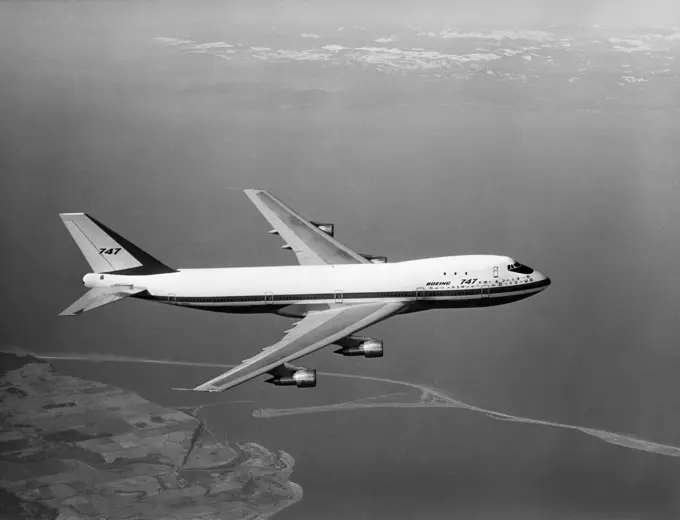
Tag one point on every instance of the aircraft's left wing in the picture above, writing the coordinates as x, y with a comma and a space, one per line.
311, 245
315, 331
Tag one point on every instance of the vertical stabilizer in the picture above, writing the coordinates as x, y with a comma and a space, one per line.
106, 251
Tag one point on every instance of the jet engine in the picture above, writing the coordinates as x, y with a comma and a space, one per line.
298, 376
360, 346
327, 228
375, 259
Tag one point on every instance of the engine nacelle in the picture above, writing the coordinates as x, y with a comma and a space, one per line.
302, 378
375, 259
358, 346
326, 227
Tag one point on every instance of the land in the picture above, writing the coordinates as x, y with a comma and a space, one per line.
77, 449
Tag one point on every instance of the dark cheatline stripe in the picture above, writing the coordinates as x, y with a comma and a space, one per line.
279, 298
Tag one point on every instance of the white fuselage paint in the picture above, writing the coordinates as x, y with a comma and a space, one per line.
452, 281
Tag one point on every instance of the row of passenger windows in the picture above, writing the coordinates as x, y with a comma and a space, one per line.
295, 297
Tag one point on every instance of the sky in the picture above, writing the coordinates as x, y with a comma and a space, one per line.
374, 12
98, 117
490, 12
467, 11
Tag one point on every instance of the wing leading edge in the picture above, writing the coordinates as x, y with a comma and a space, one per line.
317, 330
311, 245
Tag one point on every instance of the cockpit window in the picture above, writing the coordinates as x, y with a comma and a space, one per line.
519, 268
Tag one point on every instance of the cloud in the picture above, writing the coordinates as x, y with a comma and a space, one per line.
210, 45
173, 41
633, 79
389, 39
516, 55
505, 34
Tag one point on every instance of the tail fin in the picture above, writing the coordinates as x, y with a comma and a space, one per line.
106, 251
98, 296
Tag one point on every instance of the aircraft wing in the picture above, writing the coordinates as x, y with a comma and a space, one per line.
315, 331
311, 245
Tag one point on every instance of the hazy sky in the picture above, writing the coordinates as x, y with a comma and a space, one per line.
374, 12
476, 11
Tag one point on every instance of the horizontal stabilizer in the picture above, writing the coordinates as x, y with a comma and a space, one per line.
98, 296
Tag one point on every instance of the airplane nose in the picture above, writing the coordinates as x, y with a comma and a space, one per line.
543, 280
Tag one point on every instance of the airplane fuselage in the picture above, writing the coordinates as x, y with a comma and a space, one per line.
444, 282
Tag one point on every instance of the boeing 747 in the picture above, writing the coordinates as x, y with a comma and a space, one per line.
335, 292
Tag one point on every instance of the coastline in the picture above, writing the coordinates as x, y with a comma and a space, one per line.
73, 448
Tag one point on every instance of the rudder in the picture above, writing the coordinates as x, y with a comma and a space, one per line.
106, 251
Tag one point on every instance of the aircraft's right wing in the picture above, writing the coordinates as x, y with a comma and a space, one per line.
311, 245
315, 331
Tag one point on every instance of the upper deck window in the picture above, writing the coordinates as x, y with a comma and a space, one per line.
519, 268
